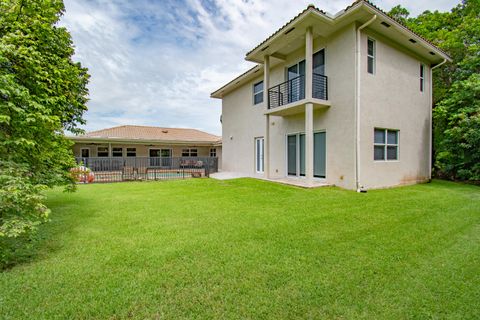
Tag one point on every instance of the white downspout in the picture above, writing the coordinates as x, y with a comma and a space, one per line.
430, 155
357, 104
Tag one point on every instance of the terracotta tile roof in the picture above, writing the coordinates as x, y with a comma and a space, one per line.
129, 132
367, 2
311, 7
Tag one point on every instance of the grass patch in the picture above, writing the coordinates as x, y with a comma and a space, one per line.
252, 249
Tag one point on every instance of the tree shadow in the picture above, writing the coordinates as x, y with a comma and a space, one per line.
45, 241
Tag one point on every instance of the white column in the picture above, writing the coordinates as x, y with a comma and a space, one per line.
309, 142
266, 86
309, 106
308, 63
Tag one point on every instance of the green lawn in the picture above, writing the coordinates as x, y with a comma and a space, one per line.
244, 248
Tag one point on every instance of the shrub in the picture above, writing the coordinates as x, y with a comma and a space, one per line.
21, 209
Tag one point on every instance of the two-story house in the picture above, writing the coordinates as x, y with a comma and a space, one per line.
345, 99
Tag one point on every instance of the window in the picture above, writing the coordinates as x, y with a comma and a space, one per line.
189, 153
166, 153
258, 92
85, 152
117, 152
385, 145
422, 77
213, 152
371, 56
102, 152
131, 152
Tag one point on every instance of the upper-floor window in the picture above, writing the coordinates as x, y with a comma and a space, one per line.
385, 144
258, 92
371, 52
213, 152
422, 77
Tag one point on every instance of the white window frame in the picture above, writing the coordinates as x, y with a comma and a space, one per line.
257, 93
189, 151
113, 156
386, 145
81, 152
213, 152
372, 56
422, 77
259, 169
127, 152
108, 152
170, 151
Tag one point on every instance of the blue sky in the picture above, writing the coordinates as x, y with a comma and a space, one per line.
155, 62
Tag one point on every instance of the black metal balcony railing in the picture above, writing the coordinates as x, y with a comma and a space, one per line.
287, 92
294, 90
319, 86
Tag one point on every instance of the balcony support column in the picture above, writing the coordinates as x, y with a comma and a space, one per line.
266, 138
308, 63
309, 143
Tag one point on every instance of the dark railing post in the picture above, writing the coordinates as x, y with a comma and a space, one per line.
326, 89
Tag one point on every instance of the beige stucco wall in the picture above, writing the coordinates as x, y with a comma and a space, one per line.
143, 150
242, 121
391, 99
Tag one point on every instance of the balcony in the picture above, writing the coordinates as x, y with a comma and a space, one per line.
288, 98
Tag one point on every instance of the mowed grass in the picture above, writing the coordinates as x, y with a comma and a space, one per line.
248, 249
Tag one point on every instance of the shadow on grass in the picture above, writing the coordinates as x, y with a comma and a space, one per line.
47, 238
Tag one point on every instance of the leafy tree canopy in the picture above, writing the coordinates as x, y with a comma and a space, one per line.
42, 94
456, 95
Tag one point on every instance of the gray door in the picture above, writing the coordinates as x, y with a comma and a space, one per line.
296, 154
292, 155
302, 154
319, 154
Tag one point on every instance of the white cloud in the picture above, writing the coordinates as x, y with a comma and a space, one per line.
156, 62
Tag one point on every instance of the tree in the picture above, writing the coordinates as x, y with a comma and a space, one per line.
399, 13
458, 33
42, 94
458, 119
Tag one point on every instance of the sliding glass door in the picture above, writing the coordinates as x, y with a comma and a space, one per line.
292, 155
319, 154
296, 154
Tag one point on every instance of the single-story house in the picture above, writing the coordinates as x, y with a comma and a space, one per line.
159, 147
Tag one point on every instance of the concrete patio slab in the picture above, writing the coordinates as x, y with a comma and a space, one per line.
292, 181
